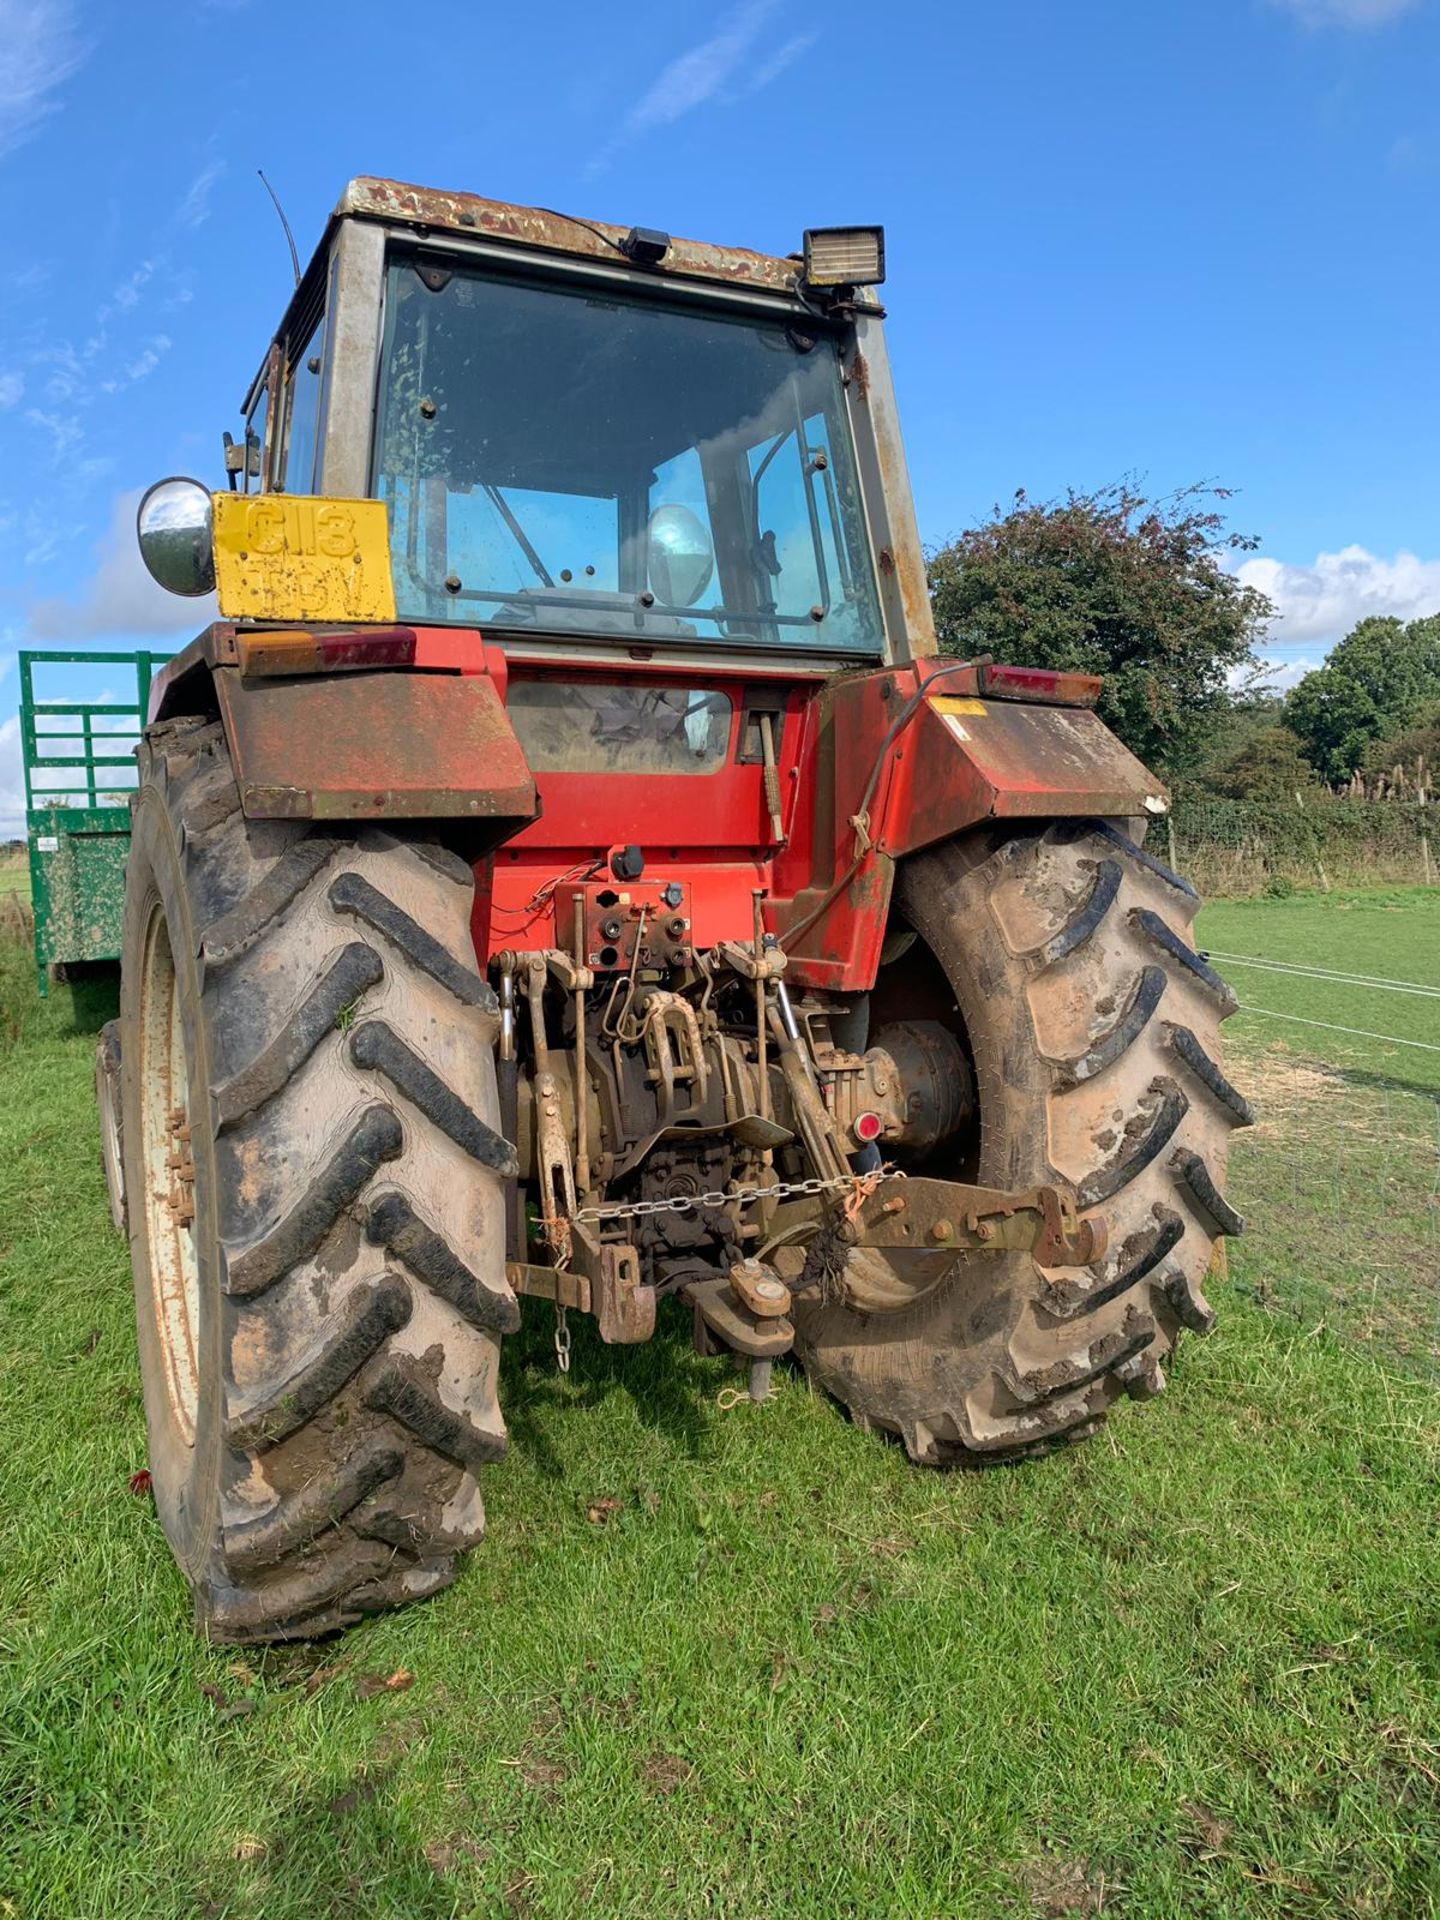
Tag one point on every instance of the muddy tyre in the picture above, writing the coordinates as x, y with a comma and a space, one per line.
1092, 1026
314, 1171
107, 1107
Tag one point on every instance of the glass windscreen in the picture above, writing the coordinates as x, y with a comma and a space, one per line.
591, 463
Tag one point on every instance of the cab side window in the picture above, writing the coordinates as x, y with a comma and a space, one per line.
256, 439
300, 408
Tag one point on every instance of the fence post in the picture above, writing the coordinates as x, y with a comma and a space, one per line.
1170, 842
1319, 863
1422, 795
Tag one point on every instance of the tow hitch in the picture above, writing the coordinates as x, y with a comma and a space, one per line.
747, 1313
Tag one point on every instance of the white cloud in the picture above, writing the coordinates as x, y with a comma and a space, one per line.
64, 430
194, 209
12, 389
697, 76
120, 597
1404, 154
127, 294
706, 73
1278, 676
1346, 13
12, 781
29, 279
39, 50
1319, 604
141, 366
772, 68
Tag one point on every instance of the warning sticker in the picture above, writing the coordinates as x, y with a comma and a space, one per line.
948, 703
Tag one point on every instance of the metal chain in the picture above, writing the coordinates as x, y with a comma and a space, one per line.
562, 1338
687, 1202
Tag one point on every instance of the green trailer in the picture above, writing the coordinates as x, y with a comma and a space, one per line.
79, 760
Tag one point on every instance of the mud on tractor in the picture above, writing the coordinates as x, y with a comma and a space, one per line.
567, 869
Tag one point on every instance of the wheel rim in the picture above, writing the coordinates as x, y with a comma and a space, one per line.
111, 1160
897, 1279
168, 1169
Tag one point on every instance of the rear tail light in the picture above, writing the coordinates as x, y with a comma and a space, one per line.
336, 650
1039, 683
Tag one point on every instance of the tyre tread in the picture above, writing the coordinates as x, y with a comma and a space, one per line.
1162, 1110
368, 1318
375, 1045
351, 893
351, 971
1106, 1048
229, 935
376, 1137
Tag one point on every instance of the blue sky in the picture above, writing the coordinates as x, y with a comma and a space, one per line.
1183, 240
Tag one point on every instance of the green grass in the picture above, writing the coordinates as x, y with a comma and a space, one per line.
15, 876
1190, 1669
1392, 935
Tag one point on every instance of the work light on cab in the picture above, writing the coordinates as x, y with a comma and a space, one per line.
844, 256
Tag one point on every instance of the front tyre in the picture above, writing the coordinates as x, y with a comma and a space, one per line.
1092, 1025
313, 1171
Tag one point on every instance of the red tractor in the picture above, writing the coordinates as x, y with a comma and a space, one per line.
567, 868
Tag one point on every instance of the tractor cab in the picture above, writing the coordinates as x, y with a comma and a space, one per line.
596, 434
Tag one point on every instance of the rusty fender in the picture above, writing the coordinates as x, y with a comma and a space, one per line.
381, 745
375, 746
964, 759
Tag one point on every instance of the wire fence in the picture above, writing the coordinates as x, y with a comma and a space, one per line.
1238, 847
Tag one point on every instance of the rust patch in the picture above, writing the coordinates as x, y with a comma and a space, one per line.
541, 227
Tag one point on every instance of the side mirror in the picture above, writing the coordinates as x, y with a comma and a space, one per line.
176, 535
681, 558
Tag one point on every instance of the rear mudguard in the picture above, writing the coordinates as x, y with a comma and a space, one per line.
905, 758
377, 745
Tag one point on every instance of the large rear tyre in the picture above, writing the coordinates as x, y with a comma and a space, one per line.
314, 1181
1092, 1025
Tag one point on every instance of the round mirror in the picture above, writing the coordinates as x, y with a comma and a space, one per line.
681, 557
176, 537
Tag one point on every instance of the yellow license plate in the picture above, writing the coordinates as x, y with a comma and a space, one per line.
290, 556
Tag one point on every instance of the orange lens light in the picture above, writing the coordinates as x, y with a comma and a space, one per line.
301, 650
1040, 683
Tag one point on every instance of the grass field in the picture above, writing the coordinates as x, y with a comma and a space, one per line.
750, 1663
1392, 934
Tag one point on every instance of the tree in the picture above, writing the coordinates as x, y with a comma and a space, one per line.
1113, 583
1403, 765
1268, 766
1376, 683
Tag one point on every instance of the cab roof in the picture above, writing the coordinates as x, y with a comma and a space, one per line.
430, 209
